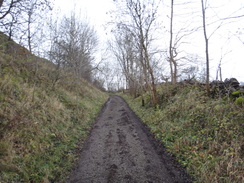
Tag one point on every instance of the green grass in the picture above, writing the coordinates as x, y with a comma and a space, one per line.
205, 135
41, 126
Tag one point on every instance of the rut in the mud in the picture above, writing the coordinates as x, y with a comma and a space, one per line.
120, 149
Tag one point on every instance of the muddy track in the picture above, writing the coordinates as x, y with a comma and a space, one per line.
121, 149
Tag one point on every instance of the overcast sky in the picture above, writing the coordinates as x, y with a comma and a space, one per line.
227, 42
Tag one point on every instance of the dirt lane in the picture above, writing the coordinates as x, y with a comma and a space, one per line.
121, 149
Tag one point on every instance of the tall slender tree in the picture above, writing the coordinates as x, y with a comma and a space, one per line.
206, 45
172, 62
140, 17
125, 51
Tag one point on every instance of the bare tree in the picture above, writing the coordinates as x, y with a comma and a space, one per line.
214, 25
35, 11
9, 16
7, 6
33, 17
178, 36
173, 64
73, 46
206, 45
142, 15
55, 53
125, 51
21, 19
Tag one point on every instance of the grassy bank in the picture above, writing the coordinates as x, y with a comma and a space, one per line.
205, 135
41, 124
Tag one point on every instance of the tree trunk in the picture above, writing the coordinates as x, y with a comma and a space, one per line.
171, 70
29, 31
206, 48
150, 70
1, 3
154, 91
220, 73
171, 55
175, 71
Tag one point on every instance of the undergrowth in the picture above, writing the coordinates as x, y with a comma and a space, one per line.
204, 134
41, 125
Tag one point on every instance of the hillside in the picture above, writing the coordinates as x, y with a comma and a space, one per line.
204, 134
43, 117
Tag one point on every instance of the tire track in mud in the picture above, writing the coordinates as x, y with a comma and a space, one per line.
120, 149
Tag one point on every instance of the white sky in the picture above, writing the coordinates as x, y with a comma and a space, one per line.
229, 39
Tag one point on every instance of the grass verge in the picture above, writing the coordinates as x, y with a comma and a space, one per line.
205, 135
41, 125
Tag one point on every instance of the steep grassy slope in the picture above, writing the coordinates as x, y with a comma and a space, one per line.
40, 125
205, 135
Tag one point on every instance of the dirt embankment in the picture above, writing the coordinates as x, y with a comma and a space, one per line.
121, 149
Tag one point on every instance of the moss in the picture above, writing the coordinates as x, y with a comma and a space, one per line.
239, 101
237, 93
